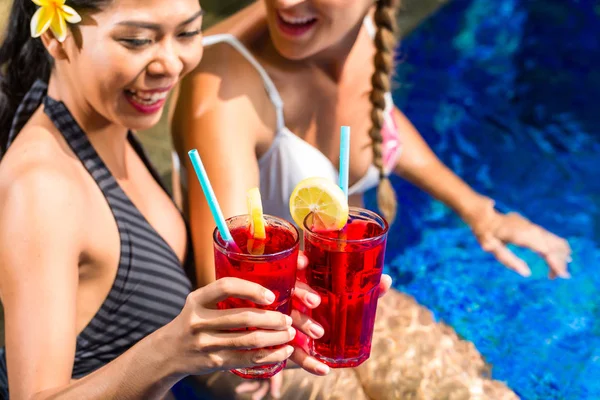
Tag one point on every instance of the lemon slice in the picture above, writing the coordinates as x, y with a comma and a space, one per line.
255, 210
256, 247
324, 199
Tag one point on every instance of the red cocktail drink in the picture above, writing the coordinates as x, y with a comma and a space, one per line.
345, 269
271, 263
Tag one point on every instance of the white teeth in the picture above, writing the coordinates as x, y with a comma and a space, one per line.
296, 20
148, 98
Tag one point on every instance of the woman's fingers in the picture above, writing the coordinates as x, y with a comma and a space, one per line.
276, 385
225, 288
236, 318
243, 359
308, 363
384, 284
245, 340
302, 261
493, 245
306, 295
306, 325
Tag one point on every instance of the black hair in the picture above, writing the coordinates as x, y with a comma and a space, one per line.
24, 59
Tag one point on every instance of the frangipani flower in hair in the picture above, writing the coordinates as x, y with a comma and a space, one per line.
53, 14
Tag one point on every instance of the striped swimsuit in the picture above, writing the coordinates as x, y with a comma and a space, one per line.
150, 287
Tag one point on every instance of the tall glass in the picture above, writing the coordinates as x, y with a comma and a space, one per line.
271, 263
345, 268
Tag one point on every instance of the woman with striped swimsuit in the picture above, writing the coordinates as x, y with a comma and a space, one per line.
93, 251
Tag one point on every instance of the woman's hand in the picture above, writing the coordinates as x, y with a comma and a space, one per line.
204, 339
304, 299
495, 230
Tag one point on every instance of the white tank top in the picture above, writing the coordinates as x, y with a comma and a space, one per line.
290, 159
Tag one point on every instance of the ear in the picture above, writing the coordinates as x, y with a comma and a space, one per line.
53, 46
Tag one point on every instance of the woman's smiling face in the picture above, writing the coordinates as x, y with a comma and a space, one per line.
131, 54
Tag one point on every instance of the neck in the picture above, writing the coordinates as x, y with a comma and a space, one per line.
109, 140
333, 60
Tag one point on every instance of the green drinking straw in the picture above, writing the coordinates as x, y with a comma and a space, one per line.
211, 198
344, 159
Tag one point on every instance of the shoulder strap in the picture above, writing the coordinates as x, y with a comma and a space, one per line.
32, 100
269, 85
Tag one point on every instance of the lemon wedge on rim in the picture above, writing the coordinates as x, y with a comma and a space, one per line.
324, 199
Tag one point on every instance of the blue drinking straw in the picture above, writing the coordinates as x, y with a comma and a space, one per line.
210, 197
344, 158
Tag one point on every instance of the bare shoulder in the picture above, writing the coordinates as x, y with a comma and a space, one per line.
37, 175
223, 94
223, 74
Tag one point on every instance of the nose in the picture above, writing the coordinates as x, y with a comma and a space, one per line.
167, 61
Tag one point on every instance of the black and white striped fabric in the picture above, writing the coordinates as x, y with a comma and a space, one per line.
150, 287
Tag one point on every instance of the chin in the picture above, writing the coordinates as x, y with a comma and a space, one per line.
291, 52
141, 123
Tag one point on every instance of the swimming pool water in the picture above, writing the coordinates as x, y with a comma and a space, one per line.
507, 94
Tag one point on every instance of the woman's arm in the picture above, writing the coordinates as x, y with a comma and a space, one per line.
225, 118
420, 166
218, 114
41, 229
41, 240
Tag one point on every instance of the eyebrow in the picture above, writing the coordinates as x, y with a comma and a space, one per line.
156, 27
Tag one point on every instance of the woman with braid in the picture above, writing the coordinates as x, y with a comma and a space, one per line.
264, 108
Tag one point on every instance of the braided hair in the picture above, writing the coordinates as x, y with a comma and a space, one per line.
385, 42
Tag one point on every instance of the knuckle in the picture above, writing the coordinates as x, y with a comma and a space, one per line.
239, 341
196, 323
259, 356
192, 299
215, 361
202, 343
487, 246
247, 318
225, 286
256, 339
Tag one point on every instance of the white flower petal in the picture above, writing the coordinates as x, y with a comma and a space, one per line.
70, 15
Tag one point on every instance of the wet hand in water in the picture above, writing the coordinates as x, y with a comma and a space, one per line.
495, 230
305, 298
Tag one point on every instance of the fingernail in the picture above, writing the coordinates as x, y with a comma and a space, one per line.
564, 275
526, 273
524, 270
322, 369
269, 296
288, 320
292, 332
313, 299
289, 350
316, 330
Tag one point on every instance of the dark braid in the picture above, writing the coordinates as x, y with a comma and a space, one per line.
385, 43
